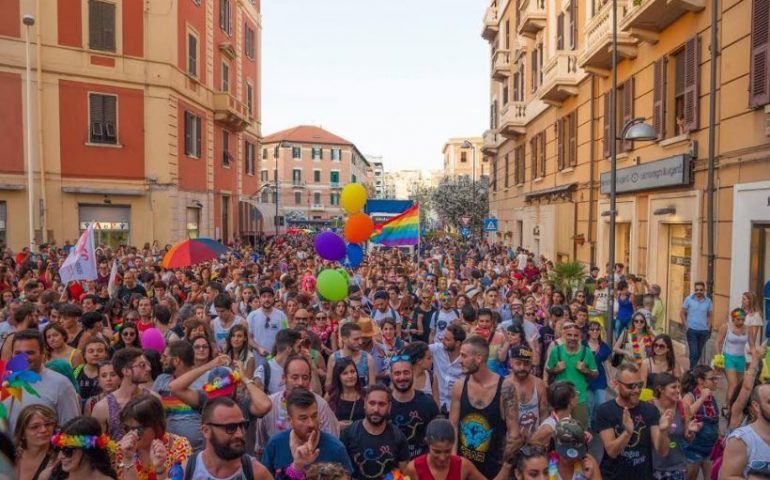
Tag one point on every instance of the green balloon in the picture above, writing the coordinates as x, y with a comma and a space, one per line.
344, 274
332, 285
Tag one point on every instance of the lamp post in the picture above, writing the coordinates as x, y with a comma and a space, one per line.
277, 184
28, 21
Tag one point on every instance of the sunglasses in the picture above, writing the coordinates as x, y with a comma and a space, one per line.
231, 428
632, 386
660, 345
301, 318
136, 428
532, 450
400, 358
66, 451
594, 329
760, 465
639, 321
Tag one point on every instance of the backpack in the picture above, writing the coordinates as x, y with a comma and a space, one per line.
552, 378
248, 469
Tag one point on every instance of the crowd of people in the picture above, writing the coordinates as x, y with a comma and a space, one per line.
462, 360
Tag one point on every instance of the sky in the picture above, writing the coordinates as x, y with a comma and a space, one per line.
395, 77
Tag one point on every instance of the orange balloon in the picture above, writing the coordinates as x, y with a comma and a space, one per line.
358, 228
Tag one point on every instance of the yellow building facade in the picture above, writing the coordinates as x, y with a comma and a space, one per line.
550, 74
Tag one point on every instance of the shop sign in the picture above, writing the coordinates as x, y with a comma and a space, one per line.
192, 226
681, 261
122, 226
668, 172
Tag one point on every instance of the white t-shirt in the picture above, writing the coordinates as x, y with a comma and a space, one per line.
440, 320
221, 333
263, 327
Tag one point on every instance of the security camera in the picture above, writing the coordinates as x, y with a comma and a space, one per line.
28, 20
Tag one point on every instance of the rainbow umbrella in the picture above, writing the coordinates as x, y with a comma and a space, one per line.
193, 251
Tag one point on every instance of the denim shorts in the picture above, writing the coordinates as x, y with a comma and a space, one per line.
735, 362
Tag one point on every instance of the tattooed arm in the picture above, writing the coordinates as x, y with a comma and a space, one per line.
509, 405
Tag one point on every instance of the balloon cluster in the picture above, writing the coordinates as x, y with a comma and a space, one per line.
332, 283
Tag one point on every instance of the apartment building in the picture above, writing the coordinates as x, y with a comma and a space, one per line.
400, 184
376, 175
548, 139
312, 166
143, 117
462, 156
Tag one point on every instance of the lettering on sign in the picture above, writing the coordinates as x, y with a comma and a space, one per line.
668, 172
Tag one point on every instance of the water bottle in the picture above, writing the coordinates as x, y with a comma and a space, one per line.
176, 473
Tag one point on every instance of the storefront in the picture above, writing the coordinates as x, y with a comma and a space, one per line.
545, 223
112, 223
3, 223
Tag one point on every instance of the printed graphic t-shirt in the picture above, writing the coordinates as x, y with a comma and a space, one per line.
373, 456
635, 461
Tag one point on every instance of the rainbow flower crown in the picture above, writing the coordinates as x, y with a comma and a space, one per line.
223, 385
102, 441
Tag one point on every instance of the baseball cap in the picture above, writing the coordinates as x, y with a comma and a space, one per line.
521, 352
570, 439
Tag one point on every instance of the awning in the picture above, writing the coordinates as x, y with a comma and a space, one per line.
550, 192
103, 191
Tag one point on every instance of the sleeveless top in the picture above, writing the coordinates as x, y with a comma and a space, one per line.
529, 414
625, 309
201, 472
675, 461
114, 425
735, 344
427, 387
423, 470
756, 447
75, 341
362, 366
482, 432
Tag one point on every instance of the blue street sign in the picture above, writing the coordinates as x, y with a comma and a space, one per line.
465, 231
490, 224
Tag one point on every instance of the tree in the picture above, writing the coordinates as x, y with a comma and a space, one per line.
568, 277
421, 194
454, 198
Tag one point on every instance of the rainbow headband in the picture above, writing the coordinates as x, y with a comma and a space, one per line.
102, 441
223, 385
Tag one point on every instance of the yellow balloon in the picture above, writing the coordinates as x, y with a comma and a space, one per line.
353, 197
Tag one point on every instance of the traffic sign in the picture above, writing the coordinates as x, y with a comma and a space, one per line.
465, 220
490, 224
465, 232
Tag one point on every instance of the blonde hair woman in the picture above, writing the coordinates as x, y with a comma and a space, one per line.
754, 320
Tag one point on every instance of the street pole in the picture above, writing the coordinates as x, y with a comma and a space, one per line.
29, 20
613, 175
277, 190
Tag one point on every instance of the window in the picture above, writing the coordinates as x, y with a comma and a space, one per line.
336, 154
493, 115
192, 55
537, 148
519, 173
263, 176
225, 77
334, 199
264, 153
625, 97
101, 25
354, 179
250, 99
296, 176
534, 70
675, 104
560, 31
494, 175
250, 161
505, 92
316, 176
463, 157
573, 15
226, 16
566, 141
102, 111
248, 41
759, 77
3, 222
226, 148
317, 153
507, 170
334, 178
296, 152
265, 196
297, 198
317, 198
192, 135
193, 222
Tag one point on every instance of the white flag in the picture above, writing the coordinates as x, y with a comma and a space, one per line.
112, 285
81, 262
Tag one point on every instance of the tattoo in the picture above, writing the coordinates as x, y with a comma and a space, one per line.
509, 402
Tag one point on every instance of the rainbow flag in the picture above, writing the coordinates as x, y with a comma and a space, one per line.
403, 229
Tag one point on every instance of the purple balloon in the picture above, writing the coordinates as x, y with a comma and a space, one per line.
330, 246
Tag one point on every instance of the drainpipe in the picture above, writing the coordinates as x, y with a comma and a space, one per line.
591, 167
39, 101
712, 151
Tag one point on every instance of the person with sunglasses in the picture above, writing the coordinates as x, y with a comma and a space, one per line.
697, 320
635, 343
597, 386
630, 429
662, 360
32, 439
699, 386
147, 448
82, 452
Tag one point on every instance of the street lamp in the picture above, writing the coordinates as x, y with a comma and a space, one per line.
29, 20
283, 144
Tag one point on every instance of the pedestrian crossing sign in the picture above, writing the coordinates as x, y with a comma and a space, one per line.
490, 224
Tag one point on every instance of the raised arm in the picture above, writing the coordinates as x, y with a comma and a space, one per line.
180, 386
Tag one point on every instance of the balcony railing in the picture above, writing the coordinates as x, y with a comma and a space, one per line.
492, 141
561, 77
513, 121
533, 17
491, 26
644, 19
318, 207
597, 53
501, 65
230, 111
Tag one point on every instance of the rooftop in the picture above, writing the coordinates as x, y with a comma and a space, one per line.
306, 134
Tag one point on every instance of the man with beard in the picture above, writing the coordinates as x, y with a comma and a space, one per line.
443, 317
351, 335
483, 411
446, 363
630, 429
382, 308
749, 447
294, 450
24, 318
533, 402
411, 410
224, 427
129, 287
133, 369
296, 374
265, 322
374, 445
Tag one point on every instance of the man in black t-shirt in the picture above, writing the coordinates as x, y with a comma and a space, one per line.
630, 429
422, 314
411, 410
374, 445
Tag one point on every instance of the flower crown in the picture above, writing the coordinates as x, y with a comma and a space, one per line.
223, 385
84, 441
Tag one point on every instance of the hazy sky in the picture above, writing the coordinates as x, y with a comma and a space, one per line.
395, 77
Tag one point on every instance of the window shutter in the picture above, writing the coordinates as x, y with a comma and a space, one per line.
110, 117
108, 26
507, 168
534, 69
627, 109
759, 88
198, 135
572, 139
560, 31
559, 127
187, 133
606, 136
515, 86
573, 24
659, 98
95, 25
541, 151
96, 114
691, 80
533, 152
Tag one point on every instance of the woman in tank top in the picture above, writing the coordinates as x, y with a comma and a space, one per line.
662, 360
731, 342
668, 395
439, 463
422, 364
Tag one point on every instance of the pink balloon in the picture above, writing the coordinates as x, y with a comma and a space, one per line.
153, 339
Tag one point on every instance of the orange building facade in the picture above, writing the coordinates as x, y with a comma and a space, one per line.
145, 120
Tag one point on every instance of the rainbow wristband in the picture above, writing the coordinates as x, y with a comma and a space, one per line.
295, 474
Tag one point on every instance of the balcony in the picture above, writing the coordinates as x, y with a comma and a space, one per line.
501, 65
533, 18
513, 120
230, 111
561, 77
492, 141
491, 26
317, 207
645, 19
597, 52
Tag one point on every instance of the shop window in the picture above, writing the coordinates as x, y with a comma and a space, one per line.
192, 135
759, 269
679, 276
101, 25
102, 112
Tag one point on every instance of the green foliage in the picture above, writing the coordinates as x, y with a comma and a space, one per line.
568, 277
454, 199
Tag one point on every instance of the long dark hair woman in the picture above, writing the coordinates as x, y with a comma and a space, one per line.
82, 451
345, 396
32, 439
128, 336
662, 360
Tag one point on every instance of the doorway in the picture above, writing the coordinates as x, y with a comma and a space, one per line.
759, 266
225, 219
519, 233
623, 245
678, 276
